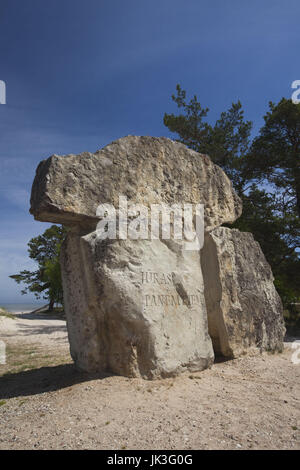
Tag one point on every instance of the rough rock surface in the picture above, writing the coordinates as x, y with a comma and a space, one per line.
67, 189
135, 308
138, 307
243, 306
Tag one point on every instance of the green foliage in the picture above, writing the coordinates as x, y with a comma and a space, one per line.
226, 142
46, 280
52, 275
277, 230
275, 153
264, 172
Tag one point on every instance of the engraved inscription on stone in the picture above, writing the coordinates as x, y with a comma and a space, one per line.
174, 294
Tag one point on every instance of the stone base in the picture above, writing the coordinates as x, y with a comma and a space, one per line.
243, 306
135, 308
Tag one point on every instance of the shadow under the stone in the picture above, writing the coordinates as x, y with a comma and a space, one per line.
44, 379
219, 359
292, 336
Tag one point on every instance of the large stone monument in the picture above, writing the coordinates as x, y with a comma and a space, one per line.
141, 307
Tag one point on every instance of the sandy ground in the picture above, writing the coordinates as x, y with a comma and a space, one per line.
247, 403
27, 328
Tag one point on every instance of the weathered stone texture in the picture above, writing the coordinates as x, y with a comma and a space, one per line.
135, 308
243, 306
139, 307
68, 189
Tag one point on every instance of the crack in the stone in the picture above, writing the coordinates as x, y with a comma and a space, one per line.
181, 290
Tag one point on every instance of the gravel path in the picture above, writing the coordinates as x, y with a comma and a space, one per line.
248, 403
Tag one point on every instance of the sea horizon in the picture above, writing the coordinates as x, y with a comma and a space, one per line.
22, 306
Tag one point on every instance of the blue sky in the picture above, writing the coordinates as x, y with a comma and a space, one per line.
80, 74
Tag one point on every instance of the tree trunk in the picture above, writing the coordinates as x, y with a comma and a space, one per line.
51, 305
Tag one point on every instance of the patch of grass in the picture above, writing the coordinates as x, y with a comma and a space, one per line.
21, 402
2, 402
30, 352
5, 313
22, 358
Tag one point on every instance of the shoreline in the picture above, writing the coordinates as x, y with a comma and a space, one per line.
17, 309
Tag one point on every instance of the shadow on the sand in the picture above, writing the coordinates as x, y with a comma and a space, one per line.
28, 330
44, 379
40, 316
